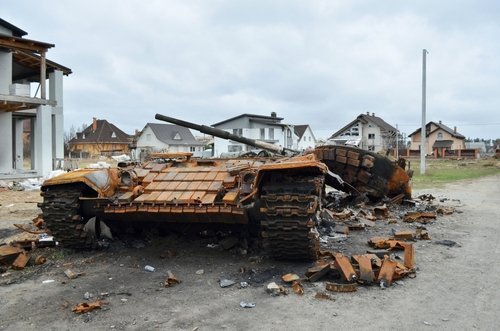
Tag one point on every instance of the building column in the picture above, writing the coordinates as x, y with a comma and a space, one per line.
56, 94
6, 153
43, 140
5, 71
18, 144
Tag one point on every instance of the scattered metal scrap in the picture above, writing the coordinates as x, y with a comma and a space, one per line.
86, 307
171, 280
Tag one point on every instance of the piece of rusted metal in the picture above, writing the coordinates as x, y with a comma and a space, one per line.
378, 242
337, 287
9, 253
297, 287
318, 271
170, 279
20, 227
404, 234
409, 255
21, 261
323, 296
422, 234
40, 259
386, 272
419, 216
86, 307
366, 274
288, 278
381, 211
347, 271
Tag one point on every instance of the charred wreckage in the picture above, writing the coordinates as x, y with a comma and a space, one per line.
276, 200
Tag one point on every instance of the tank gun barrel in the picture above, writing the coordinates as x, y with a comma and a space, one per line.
226, 135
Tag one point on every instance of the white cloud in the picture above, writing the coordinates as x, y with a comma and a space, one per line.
315, 62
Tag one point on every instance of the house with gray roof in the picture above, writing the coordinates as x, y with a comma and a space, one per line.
305, 137
368, 132
170, 138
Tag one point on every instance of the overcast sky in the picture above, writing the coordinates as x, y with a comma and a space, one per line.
316, 62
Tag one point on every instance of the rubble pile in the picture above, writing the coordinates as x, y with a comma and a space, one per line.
20, 253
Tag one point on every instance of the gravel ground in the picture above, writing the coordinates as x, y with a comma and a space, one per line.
455, 288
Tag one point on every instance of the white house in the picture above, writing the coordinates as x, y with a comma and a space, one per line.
23, 62
265, 128
305, 137
368, 132
171, 138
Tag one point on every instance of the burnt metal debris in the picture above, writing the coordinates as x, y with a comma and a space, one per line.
274, 200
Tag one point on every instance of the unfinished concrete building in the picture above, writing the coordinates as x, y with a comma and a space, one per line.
26, 96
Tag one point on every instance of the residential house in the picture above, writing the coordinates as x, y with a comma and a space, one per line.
305, 137
99, 138
171, 138
439, 139
368, 132
259, 127
23, 62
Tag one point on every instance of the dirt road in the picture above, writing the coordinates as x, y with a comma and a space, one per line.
455, 288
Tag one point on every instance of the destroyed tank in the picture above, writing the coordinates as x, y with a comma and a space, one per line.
275, 200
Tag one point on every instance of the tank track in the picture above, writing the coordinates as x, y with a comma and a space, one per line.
61, 213
289, 206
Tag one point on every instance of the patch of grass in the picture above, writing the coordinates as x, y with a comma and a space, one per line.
440, 172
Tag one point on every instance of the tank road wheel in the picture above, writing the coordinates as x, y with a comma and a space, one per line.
289, 207
61, 213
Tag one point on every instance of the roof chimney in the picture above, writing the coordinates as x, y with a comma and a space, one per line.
373, 114
273, 114
94, 124
368, 113
455, 129
440, 122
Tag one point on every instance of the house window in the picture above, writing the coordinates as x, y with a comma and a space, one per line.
271, 133
440, 136
262, 133
238, 132
192, 149
113, 135
177, 136
309, 138
289, 133
371, 136
371, 148
83, 135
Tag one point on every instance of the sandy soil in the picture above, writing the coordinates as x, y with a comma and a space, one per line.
455, 288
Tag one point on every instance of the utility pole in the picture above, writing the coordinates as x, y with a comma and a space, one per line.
397, 142
423, 133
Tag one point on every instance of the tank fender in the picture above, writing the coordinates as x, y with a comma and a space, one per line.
103, 181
